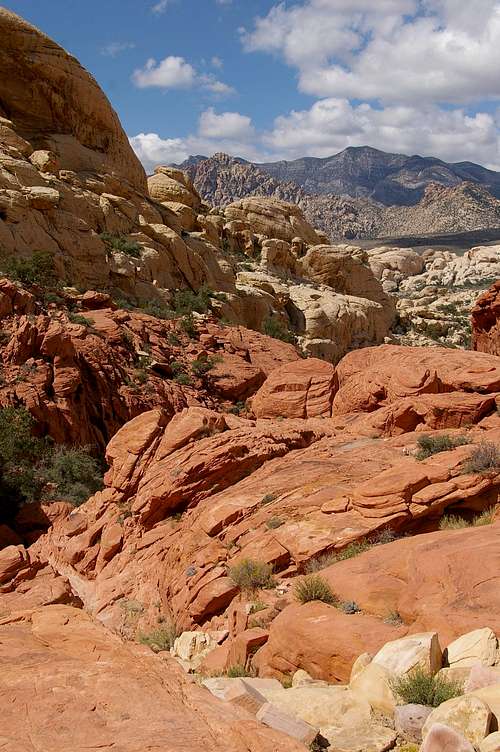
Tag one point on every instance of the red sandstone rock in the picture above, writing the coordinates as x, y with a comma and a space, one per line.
114, 694
304, 389
485, 321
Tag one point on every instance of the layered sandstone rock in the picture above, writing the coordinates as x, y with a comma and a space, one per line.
485, 327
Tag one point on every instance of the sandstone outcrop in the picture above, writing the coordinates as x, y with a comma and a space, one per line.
485, 326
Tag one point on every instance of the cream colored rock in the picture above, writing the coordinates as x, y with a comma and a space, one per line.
458, 674
491, 743
322, 706
302, 679
43, 199
364, 738
481, 646
276, 719
361, 662
491, 697
190, 648
467, 715
273, 219
400, 656
44, 161
242, 694
373, 685
169, 184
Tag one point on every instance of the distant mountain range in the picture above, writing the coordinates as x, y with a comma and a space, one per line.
361, 192
364, 172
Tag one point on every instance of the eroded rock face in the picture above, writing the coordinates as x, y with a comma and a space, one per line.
485, 326
129, 698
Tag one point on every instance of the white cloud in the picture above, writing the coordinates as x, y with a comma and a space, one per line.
386, 50
217, 62
115, 48
170, 73
176, 73
160, 7
227, 125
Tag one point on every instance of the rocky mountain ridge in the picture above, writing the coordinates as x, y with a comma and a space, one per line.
460, 207
365, 172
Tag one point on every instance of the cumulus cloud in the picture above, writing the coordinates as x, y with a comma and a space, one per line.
170, 73
160, 7
229, 132
391, 50
176, 73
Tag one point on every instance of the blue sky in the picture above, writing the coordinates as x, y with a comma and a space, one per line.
271, 80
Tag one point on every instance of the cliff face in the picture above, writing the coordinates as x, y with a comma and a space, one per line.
486, 321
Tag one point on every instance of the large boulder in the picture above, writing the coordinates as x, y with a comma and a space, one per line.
54, 103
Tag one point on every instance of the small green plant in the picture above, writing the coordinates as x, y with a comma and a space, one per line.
394, 618
71, 473
420, 687
484, 459
250, 575
76, 318
349, 607
312, 587
202, 366
486, 517
157, 309
274, 523
162, 638
274, 327
187, 301
233, 672
453, 522
286, 681
268, 498
257, 606
353, 549
38, 269
182, 378
429, 445
122, 244
237, 408
321, 562
188, 326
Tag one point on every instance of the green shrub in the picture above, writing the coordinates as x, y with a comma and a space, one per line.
257, 606
274, 327
429, 445
162, 638
188, 325
73, 474
321, 562
122, 244
268, 498
38, 269
187, 301
202, 366
274, 523
453, 522
157, 309
251, 575
233, 672
349, 607
353, 549
182, 378
76, 318
312, 587
420, 687
486, 517
484, 459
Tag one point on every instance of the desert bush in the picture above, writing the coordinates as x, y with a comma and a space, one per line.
429, 445
453, 522
76, 318
73, 474
353, 549
233, 672
182, 378
321, 562
121, 244
202, 366
251, 575
483, 459
420, 687
162, 638
187, 301
38, 269
188, 326
394, 618
157, 309
486, 517
257, 606
274, 327
349, 607
268, 498
313, 587
274, 523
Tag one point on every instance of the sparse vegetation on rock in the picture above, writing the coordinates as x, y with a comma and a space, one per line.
313, 587
420, 687
429, 445
252, 575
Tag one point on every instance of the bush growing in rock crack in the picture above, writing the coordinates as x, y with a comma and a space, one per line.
121, 244
483, 459
420, 687
313, 587
429, 445
162, 638
251, 575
